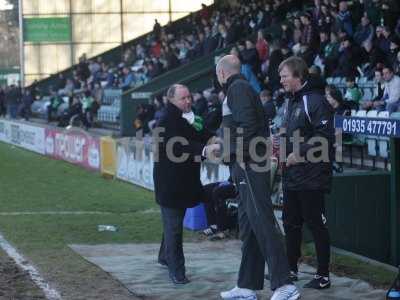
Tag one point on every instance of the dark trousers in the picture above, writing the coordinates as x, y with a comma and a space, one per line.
171, 249
262, 241
25, 111
215, 195
50, 111
306, 207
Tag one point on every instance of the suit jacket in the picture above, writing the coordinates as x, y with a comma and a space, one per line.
177, 184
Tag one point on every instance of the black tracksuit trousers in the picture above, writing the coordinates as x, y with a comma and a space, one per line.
306, 207
262, 241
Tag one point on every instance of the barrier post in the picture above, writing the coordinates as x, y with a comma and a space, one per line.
395, 201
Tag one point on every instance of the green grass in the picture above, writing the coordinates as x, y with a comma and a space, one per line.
33, 183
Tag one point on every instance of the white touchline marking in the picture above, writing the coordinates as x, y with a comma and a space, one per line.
50, 293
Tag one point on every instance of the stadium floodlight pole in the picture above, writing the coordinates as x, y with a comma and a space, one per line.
21, 44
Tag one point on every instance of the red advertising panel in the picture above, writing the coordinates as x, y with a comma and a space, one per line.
76, 147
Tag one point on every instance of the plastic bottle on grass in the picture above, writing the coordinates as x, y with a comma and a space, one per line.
107, 228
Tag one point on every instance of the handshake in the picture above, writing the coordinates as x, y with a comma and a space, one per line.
213, 149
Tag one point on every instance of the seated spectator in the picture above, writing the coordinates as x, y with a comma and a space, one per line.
215, 196
159, 112
210, 41
394, 50
397, 28
324, 20
396, 65
330, 55
308, 36
297, 31
335, 99
383, 39
74, 110
378, 91
316, 76
128, 79
262, 47
61, 82
348, 59
222, 34
249, 56
391, 95
143, 117
199, 104
323, 42
353, 94
364, 32
52, 108
371, 57
286, 33
89, 109
344, 18
247, 72
268, 105
307, 54
213, 119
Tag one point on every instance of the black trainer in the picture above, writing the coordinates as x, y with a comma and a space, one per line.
318, 283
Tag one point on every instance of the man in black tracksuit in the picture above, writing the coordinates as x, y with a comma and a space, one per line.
308, 172
244, 118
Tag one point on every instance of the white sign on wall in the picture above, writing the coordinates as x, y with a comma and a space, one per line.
23, 135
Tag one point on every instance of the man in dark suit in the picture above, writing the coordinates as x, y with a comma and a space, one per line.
179, 149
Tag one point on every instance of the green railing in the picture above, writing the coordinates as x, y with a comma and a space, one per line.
358, 214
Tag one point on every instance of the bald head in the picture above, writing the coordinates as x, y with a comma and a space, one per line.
226, 67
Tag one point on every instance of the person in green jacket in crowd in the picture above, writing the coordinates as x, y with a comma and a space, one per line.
88, 103
55, 102
353, 93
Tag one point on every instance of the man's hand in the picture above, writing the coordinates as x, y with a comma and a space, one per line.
291, 160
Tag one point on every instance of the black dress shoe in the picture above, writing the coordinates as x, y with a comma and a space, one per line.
163, 263
179, 280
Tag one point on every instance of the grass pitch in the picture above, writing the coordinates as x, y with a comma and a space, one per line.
41, 187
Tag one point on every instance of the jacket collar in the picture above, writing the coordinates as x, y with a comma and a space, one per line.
301, 91
173, 110
232, 79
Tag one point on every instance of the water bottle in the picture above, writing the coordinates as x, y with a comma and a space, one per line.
394, 291
111, 228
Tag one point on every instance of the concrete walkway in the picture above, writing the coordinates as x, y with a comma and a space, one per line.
211, 266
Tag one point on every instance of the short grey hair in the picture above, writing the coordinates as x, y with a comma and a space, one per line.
172, 90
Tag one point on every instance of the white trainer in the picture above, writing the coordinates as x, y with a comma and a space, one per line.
286, 292
239, 294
